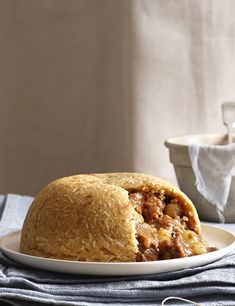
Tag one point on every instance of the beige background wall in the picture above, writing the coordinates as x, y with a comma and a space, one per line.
98, 85
63, 96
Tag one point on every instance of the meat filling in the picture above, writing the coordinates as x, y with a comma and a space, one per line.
166, 232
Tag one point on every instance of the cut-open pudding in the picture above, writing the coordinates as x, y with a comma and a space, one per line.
113, 217
166, 231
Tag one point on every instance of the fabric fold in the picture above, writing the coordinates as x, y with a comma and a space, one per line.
213, 166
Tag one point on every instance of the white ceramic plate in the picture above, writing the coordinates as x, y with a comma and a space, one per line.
216, 237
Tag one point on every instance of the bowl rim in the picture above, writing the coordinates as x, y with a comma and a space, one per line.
178, 141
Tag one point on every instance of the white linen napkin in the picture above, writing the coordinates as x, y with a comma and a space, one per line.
213, 166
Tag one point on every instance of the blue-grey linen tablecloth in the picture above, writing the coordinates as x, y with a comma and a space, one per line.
213, 284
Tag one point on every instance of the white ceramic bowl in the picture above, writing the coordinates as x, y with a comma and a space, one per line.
179, 157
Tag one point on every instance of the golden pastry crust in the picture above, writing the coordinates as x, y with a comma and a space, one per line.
91, 218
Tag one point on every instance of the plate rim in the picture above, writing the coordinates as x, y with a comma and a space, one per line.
18, 232
226, 250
